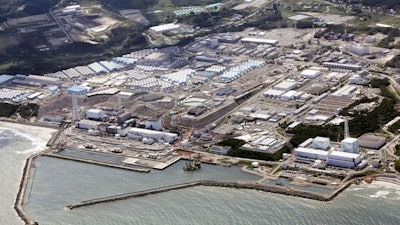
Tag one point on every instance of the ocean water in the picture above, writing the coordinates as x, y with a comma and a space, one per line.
15, 147
56, 183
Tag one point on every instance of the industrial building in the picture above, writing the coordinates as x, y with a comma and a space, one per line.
358, 49
88, 124
341, 66
220, 150
158, 135
273, 93
345, 91
96, 114
344, 159
357, 79
224, 90
371, 141
333, 158
153, 124
322, 143
259, 41
310, 74
350, 145
286, 85
165, 28
311, 153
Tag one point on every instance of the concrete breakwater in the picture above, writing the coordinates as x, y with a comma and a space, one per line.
253, 186
19, 202
143, 170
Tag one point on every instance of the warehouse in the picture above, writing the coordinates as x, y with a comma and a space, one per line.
341, 66
164, 28
290, 95
345, 92
310, 74
259, 41
159, 135
286, 85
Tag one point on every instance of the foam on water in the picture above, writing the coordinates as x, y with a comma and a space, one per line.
37, 144
380, 194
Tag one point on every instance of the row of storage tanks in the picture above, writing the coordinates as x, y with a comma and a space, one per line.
150, 84
179, 78
241, 69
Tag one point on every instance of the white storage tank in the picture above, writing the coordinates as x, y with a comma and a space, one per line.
255, 164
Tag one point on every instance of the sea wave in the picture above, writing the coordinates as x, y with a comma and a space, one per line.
37, 144
380, 194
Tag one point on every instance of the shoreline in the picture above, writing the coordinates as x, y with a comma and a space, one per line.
50, 134
39, 136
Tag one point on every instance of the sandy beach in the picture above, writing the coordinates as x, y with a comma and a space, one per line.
42, 133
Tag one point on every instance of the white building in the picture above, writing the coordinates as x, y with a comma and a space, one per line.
88, 124
154, 124
350, 145
259, 41
358, 49
286, 85
322, 143
310, 74
357, 79
311, 153
345, 92
290, 95
95, 114
344, 159
158, 135
165, 28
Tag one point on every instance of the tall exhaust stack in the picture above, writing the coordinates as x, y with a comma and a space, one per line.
346, 127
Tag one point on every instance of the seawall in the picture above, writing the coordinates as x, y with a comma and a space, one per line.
19, 202
253, 186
